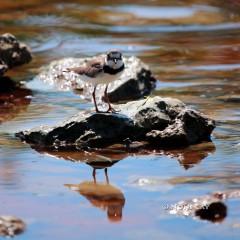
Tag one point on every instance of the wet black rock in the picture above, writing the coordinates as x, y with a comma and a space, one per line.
7, 85
11, 226
133, 87
12, 52
83, 130
3, 67
162, 122
215, 212
152, 113
136, 81
212, 207
189, 127
204, 208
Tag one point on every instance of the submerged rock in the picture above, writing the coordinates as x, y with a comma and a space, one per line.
210, 207
12, 52
229, 98
161, 122
136, 81
11, 226
214, 212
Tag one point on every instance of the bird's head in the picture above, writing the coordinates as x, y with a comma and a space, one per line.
114, 59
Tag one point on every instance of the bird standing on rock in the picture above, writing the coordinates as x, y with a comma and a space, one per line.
101, 70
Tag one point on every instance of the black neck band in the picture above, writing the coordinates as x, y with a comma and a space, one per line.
112, 71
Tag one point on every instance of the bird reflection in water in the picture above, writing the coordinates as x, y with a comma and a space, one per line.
102, 195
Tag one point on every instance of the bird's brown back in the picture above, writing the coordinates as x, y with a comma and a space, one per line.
91, 69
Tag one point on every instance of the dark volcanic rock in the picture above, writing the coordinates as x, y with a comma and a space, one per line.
153, 113
11, 226
215, 212
84, 130
160, 121
189, 127
205, 208
7, 85
3, 67
12, 52
133, 87
210, 207
136, 81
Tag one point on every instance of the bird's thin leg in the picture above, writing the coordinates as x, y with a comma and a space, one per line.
94, 175
110, 108
94, 99
106, 96
106, 175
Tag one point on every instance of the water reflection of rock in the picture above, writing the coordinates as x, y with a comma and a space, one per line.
104, 158
98, 159
190, 156
13, 99
103, 196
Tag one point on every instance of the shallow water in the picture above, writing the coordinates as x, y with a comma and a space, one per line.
193, 48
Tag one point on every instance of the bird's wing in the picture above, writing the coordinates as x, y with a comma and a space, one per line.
92, 69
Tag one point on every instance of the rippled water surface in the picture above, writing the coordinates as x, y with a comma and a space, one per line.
193, 48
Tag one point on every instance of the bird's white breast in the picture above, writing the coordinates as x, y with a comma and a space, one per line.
101, 78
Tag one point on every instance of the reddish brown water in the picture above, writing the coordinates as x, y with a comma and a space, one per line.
193, 48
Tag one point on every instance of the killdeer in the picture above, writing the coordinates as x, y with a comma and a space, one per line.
102, 70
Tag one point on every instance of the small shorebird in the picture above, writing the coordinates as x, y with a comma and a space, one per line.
101, 70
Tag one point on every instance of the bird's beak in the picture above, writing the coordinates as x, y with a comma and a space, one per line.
115, 60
